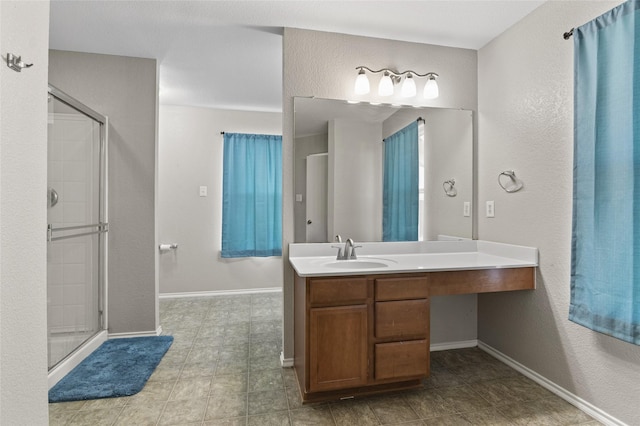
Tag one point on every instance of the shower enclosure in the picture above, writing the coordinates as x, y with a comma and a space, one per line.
76, 231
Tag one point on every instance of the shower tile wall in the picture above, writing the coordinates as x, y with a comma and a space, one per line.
70, 263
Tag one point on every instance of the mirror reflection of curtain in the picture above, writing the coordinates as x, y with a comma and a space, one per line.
252, 195
605, 270
400, 198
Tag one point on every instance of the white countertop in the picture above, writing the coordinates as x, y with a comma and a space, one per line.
319, 259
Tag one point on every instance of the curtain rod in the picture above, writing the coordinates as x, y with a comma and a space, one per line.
568, 34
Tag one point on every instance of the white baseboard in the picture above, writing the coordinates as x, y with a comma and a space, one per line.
285, 362
220, 292
572, 399
435, 347
65, 367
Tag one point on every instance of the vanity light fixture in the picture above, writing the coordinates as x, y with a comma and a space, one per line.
390, 78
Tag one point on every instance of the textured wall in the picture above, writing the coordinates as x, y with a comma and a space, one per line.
525, 105
189, 156
125, 90
323, 65
23, 215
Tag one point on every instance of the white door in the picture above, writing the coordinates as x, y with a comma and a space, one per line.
317, 167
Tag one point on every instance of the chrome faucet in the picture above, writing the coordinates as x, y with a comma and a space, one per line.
349, 251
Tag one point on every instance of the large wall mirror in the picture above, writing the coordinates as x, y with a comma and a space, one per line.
339, 168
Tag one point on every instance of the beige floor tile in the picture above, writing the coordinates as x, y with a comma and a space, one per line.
270, 419
226, 405
267, 401
429, 403
100, 417
143, 414
392, 409
191, 388
463, 399
452, 420
350, 413
261, 380
231, 383
183, 412
316, 416
238, 421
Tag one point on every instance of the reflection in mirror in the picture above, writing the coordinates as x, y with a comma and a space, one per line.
338, 174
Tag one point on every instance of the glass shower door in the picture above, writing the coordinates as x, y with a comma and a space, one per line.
76, 231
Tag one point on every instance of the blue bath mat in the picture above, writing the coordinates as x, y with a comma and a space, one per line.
119, 367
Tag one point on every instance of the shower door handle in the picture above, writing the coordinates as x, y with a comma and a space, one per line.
52, 198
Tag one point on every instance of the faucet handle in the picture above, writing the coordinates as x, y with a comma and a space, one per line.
353, 252
340, 255
338, 238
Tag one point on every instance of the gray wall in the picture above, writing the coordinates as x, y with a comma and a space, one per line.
23, 215
124, 89
190, 152
323, 65
526, 109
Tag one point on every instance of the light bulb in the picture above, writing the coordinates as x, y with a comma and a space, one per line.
408, 87
431, 88
362, 83
385, 88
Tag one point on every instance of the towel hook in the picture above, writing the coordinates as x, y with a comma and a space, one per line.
449, 187
513, 184
15, 62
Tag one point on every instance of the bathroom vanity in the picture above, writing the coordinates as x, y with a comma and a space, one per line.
362, 326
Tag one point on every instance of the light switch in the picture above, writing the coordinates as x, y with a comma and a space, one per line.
299, 198
491, 211
467, 209
203, 191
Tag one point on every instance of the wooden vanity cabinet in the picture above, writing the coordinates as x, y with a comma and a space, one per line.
358, 335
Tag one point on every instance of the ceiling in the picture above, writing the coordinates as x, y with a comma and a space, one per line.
228, 54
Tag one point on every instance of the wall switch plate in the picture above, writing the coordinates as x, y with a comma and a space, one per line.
299, 198
467, 209
491, 210
203, 191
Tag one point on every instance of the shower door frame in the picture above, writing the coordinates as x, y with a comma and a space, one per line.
75, 357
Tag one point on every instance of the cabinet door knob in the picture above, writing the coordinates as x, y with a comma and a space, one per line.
309, 222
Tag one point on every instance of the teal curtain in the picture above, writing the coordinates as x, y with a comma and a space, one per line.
252, 195
400, 198
605, 267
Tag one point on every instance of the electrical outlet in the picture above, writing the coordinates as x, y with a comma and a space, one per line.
491, 210
466, 212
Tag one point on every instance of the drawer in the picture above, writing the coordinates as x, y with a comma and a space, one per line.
401, 288
402, 318
337, 291
401, 359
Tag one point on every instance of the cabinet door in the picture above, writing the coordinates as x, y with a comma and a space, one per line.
402, 359
337, 347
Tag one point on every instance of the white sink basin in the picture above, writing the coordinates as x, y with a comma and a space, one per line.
355, 264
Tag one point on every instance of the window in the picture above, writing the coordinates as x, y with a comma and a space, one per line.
252, 195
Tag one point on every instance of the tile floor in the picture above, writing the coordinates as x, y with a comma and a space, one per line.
223, 369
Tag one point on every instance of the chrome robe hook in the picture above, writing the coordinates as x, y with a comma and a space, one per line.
15, 62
